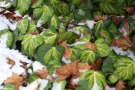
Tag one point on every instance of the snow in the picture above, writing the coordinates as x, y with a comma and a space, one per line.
4, 23
81, 23
61, 25
39, 23
57, 86
54, 75
2, 4
119, 51
90, 23
1, 9
37, 66
109, 88
77, 43
83, 70
76, 80
95, 86
75, 31
124, 30
3, 40
17, 13
65, 60
31, 86
60, 17
30, 71
43, 83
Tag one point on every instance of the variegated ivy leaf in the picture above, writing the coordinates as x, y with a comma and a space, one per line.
38, 3
50, 35
96, 79
102, 48
48, 52
109, 7
125, 68
76, 2
13, 2
132, 82
43, 13
63, 8
55, 21
53, 65
30, 43
75, 52
52, 2
10, 39
31, 27
86, 38
59, 85
69, 36
89, 56
10, 86
23, 25
82, 28
23, 6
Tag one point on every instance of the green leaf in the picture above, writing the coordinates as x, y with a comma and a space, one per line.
10, 86
86, 38
15, 38
50, 35
48, 52
132, 82
53, 65
124, 68
96, 79
52, 2
55, 21
69, 36
44, 13
114, 30
37, 4
82, 28
76, 2
23, 6
30, 43
10, 39
63, 8
109, 7
113, 79
75, 52
89, 56
32, 77
23, 25
102, 48
32, 27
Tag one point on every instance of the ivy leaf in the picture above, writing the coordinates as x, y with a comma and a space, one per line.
10, 86
15, 38
76, 2
23, 25
86, 38
82, 28
53, 65
10, 39
52, 2
89, 56
113, 79
50, 35
31, 27
132, 82
44, 13
96, 79
32, 77
63, 8
55, 21
69, 36
37, 4
75, 52
124, 68
23, 6
102, 48
48, 52
108, 6
30, 43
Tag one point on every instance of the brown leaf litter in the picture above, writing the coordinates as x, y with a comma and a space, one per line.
91, 46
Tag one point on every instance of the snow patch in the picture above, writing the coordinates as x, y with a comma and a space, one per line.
90, 23
77, 43
95, 86
76, 80
57, 86
37, 66
3, 40
2, 4
67, 61
17, 13
109, 88
39, 23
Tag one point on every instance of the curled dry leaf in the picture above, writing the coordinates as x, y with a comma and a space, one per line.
15, 79
129, 9
121, 43
10, 61
99, 17
42, 73
67, 70
120, 85
97, 65
117, 19
90, 45
67, 52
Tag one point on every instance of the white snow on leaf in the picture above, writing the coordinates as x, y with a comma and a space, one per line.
54, 75
30, 71
39, 23
3, 40
67, 61
1, 9
77, 43
109, 88
119, 51
81, 23
43, 83
76, 80
83, 70
95, 86
124, 31
75, 31
31, 86
37, 66
5, 23
17, 13
90, 23
57, 86
2, 4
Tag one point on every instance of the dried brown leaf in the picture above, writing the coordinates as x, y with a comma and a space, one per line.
15, 79
97, 65
120, 85
10, 61
121, 43
67, 70
129, 9
90, 45
67, 52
